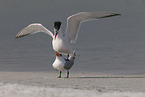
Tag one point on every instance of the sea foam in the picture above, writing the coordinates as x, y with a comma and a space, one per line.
16, 90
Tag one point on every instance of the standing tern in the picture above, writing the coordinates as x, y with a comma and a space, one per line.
61, 64
60, 42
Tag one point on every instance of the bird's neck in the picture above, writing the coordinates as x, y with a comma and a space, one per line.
60, 33
60, 58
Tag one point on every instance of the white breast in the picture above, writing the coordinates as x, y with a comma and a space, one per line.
59, 64
60, 45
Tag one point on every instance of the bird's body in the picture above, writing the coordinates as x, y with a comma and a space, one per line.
61, 45
61, 64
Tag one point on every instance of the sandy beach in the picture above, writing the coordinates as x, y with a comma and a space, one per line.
36, 84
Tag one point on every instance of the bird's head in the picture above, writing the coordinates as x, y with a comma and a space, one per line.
57, 25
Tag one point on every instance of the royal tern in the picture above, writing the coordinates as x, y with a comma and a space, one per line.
60, 64
60, 42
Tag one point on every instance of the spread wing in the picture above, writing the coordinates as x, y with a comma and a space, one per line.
74, 21
32, 29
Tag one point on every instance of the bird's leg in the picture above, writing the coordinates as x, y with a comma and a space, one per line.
67, 57
67, 74
59, 75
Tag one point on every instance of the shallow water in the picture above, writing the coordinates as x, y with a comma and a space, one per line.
114, 45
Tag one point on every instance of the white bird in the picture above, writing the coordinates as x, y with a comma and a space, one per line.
60, 64
60, 42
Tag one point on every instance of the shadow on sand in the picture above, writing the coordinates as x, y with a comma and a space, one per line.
108, 77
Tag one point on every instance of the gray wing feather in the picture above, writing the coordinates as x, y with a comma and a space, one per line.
74, 21
69, 63
32, 29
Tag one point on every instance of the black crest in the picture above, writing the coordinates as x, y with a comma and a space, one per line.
57, 25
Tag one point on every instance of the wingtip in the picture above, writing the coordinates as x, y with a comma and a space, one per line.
111, 15
17, 36
20, 36
116, 14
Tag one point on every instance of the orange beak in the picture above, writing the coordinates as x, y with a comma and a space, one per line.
55, 35
57, 54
